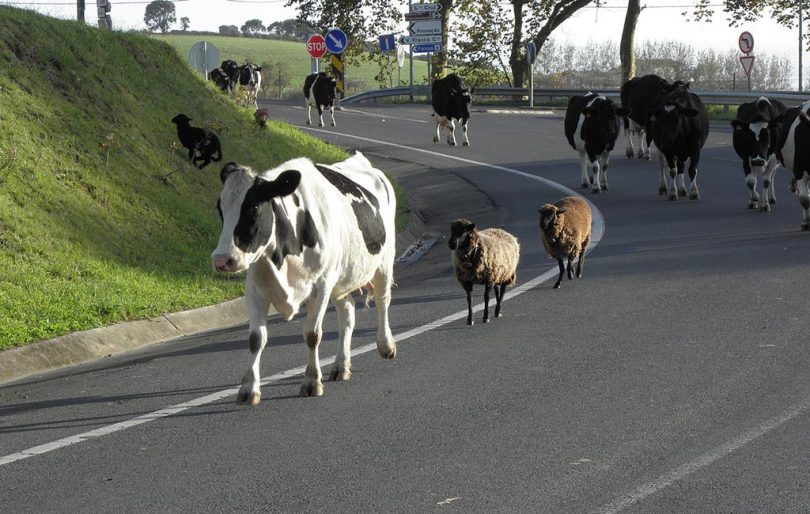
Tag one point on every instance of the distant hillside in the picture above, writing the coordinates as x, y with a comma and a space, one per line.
84, 241
294, 58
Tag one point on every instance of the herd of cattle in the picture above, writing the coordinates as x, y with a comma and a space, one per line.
312, 234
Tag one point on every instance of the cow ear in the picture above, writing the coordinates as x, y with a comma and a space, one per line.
227, 170
286, 183
258, 68
688, 111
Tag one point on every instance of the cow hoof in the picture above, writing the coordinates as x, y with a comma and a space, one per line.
682, 192
647, 157
465, 143
435, 139
585, 185
772, 201
629, 153
753, 205
387, 350
486, 320
340, 375
252, 399
694, 196
805, 227
320, 124
605, 187
451, 143
662, 190
312, 389
470, 322
309, 122
672, 197
558, 284
596, 191
765, 208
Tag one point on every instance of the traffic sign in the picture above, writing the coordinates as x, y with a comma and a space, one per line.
418, 40
531, 52
203, 56
747, 62
746, 42
425, 28
316, 46
422, 16
426, 7
401, 56
422, 49
387, 42
336, 40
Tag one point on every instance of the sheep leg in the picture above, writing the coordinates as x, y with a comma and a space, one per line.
581, 261
468, 286
571, 267
562, 271
499, 292
487, 288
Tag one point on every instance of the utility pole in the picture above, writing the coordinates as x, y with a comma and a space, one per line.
801, 43
80, 10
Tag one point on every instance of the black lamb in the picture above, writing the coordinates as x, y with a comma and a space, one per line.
201, 144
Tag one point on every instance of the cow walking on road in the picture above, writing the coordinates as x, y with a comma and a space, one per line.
451, 103
250, 77
640, 95
320, 91
308, 233
591, 127
680, 126
756, 131
793, 151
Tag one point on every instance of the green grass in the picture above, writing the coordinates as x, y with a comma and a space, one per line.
87, 241
295, 58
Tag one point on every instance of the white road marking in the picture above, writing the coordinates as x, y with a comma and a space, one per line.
708, 458
375, 115
597, 232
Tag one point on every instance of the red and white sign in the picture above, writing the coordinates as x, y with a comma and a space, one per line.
747, 62
746, 42
316, 46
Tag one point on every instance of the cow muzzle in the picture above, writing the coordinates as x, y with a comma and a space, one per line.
224, 263
758, 162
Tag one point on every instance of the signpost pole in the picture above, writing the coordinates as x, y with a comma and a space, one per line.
801, 44
410, 61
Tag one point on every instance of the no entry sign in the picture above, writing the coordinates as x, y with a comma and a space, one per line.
316, 46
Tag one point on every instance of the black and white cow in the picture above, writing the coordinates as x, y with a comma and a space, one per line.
320, 91
250, 77
756, 131
220, 79
308, 233
793, 151
680, 125
591, 127
640, 95
231, 69
451, 102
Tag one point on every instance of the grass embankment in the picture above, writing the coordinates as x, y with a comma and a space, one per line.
87, 240
295, 59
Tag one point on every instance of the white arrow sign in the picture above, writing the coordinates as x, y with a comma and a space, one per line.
426, 7
424, 28
418, 40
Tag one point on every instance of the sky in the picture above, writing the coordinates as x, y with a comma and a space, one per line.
661, 20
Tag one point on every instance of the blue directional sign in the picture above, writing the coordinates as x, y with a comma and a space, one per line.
387, 42
335, 41
531, 52
421, 49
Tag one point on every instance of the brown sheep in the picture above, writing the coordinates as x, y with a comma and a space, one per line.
489, 257
565, 228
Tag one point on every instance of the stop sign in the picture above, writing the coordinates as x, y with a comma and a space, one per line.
316, 46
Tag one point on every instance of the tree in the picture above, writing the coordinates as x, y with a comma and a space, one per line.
229, 30
626, 49
488, 23
290, 28
160, 14
185, 23
252, 27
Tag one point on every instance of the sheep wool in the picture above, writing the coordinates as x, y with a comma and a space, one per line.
488, 257
565, 229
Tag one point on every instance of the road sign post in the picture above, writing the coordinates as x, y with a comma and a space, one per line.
746, 44
531, 55
316, 47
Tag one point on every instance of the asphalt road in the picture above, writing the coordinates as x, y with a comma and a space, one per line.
671, 378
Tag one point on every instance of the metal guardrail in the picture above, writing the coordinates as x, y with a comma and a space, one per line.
710, 97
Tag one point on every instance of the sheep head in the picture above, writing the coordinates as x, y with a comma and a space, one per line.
462, 234
550, 218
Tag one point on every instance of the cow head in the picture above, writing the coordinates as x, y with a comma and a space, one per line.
460, 96
249, 74
670, 114
462, 233
248, 218
754, 137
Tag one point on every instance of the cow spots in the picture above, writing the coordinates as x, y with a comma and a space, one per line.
365, 206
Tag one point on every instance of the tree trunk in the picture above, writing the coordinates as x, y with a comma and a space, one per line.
627, 53
517, 61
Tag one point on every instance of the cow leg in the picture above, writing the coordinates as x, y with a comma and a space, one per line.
309, 118
464, 129
803, 186
663, 169
629, 134
646, 141
604, 161
316, 308
342, 368
681, 179
437, 137
694, 193
596, 173
257, 306
767, 183
451, 132
332, 114
585, 181
320, 115
382, 282
751, 183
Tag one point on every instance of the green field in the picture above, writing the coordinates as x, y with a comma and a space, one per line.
102, 219
290, 59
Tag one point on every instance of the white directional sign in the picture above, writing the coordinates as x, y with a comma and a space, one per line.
418, 40
425, 28
426, 7
423, 16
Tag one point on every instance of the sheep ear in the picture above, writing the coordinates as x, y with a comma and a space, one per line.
560, 211
471, 227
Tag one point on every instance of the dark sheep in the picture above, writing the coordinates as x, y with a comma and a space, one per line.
261, 116
201, 144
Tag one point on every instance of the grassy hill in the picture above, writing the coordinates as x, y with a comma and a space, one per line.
292, 59
101, 217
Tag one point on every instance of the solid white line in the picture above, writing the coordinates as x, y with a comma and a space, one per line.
598, 230
708, 458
